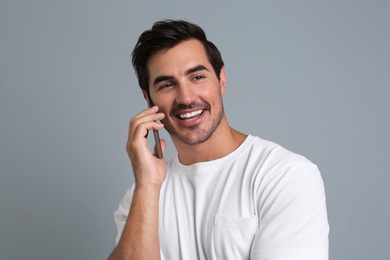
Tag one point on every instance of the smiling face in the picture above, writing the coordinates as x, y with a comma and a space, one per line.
183, 84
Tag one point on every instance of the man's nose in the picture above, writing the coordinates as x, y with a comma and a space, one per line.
186, 94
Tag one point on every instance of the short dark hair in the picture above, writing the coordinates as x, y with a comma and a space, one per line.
166, 34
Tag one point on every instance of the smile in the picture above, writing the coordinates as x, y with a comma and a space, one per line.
189, 116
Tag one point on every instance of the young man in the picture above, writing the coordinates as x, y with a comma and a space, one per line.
226, 195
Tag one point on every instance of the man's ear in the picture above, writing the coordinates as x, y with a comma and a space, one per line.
147, 98
145, 94
222, 80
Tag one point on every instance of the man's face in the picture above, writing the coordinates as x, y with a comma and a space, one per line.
184, 86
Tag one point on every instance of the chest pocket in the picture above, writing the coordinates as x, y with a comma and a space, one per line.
233, 236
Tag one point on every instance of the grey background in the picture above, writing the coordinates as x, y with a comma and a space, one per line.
310, 75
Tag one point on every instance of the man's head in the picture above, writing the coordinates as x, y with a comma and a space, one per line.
165, 35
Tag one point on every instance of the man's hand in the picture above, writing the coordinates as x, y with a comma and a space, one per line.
148, 169
140, 238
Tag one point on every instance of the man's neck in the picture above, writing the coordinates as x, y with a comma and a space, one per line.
223, 141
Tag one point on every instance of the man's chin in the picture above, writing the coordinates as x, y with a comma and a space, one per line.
191, 139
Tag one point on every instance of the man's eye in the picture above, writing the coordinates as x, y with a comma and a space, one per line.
198, 77
167, 85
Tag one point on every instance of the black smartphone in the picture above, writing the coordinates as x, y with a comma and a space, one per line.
155, 132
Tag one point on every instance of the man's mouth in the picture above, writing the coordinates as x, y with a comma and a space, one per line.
191, 115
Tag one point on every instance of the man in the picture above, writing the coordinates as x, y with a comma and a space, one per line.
226, 195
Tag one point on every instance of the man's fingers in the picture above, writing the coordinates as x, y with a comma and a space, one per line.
143, 122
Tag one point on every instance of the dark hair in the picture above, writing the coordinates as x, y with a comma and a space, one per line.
165, 35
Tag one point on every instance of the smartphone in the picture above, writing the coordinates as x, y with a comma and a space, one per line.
155, 132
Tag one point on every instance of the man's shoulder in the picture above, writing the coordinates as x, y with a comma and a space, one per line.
274, 154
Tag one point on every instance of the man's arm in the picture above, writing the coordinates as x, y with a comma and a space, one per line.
140, 238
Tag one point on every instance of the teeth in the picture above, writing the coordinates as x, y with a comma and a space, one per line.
192, 114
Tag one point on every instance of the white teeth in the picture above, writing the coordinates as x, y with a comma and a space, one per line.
192, 114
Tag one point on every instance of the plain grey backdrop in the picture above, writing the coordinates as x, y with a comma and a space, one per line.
312, 76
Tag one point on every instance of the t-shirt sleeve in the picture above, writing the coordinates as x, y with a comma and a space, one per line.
122, 212
293, 220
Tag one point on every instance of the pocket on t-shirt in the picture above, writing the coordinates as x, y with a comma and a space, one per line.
233, 236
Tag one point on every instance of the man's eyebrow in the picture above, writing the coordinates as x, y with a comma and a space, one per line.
195, 69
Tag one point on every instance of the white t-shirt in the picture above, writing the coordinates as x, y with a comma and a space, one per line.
259, 202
